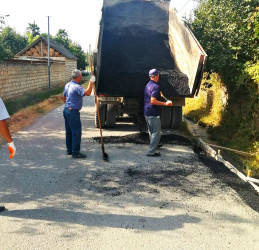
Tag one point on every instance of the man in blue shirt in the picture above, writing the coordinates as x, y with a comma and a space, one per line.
152, 111
73, 98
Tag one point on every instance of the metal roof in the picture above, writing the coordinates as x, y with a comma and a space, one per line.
60, 48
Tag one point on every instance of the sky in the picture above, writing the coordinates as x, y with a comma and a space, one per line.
80, 18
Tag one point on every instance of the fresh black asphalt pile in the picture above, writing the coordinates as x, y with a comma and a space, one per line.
173, 175
135, 40
143, 138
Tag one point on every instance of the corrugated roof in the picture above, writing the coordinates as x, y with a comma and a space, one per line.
60, 48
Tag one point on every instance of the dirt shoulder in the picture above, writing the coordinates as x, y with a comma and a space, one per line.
25, 117
33, 108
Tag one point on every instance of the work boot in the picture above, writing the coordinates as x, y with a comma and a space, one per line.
2, 208
79, 156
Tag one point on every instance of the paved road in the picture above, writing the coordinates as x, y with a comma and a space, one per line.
131, 202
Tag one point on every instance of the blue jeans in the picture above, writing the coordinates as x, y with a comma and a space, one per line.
73, 130
154, 130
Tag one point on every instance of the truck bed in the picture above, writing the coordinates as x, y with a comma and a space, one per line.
134, 39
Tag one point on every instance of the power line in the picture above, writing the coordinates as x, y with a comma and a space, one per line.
185, 5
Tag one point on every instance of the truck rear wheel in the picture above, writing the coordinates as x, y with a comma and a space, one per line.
102, 111
166, 115
111, 115
176, 119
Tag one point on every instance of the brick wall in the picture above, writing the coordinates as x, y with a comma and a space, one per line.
18, 77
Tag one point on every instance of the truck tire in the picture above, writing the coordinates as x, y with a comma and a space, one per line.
111, 115
102, 111
166, 115
176, 119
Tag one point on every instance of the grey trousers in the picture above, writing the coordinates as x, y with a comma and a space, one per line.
154, 130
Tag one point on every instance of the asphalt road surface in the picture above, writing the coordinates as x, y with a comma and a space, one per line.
130, 202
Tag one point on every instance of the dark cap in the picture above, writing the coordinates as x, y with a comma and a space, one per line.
153, 72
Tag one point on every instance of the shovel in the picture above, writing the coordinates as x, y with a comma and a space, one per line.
105, 155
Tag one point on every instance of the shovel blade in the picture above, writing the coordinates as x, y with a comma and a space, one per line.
105, 156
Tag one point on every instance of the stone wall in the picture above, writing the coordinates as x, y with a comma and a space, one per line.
18, 77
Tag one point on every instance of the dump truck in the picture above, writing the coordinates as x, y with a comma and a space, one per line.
136, 36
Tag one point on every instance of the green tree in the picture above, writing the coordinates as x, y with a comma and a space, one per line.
62, 38
11, 43
2, 21
31, 38
227, 30
77, 50
46, 35
34, 29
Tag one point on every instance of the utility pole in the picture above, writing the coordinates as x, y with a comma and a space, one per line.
89, 55
48, 53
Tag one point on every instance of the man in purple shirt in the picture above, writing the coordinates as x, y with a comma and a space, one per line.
73, 98
152, 111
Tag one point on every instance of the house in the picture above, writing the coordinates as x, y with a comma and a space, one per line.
39, 49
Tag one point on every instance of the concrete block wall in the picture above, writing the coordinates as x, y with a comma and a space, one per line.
70, 66
19, 77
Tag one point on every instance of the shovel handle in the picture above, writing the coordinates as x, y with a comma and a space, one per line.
96, 102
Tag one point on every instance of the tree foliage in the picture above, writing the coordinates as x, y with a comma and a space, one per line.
77, 50
2, 21
62, 38
31, 38
11, 43
228, 30
33, 29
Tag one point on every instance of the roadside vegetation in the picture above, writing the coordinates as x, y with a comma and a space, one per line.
32, 99
228, 102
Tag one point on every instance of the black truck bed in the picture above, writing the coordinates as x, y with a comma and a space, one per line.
134, 39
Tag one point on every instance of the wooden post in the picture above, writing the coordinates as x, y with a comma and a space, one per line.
41, 49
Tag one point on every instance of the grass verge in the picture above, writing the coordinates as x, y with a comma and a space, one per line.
228, 122
31, 99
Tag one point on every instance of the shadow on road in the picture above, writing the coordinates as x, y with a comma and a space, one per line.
104, 220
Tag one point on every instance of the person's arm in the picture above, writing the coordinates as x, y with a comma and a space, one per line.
89, 89
154, 101
64, 99
90, 86
7, 136
5, 131
155, 95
